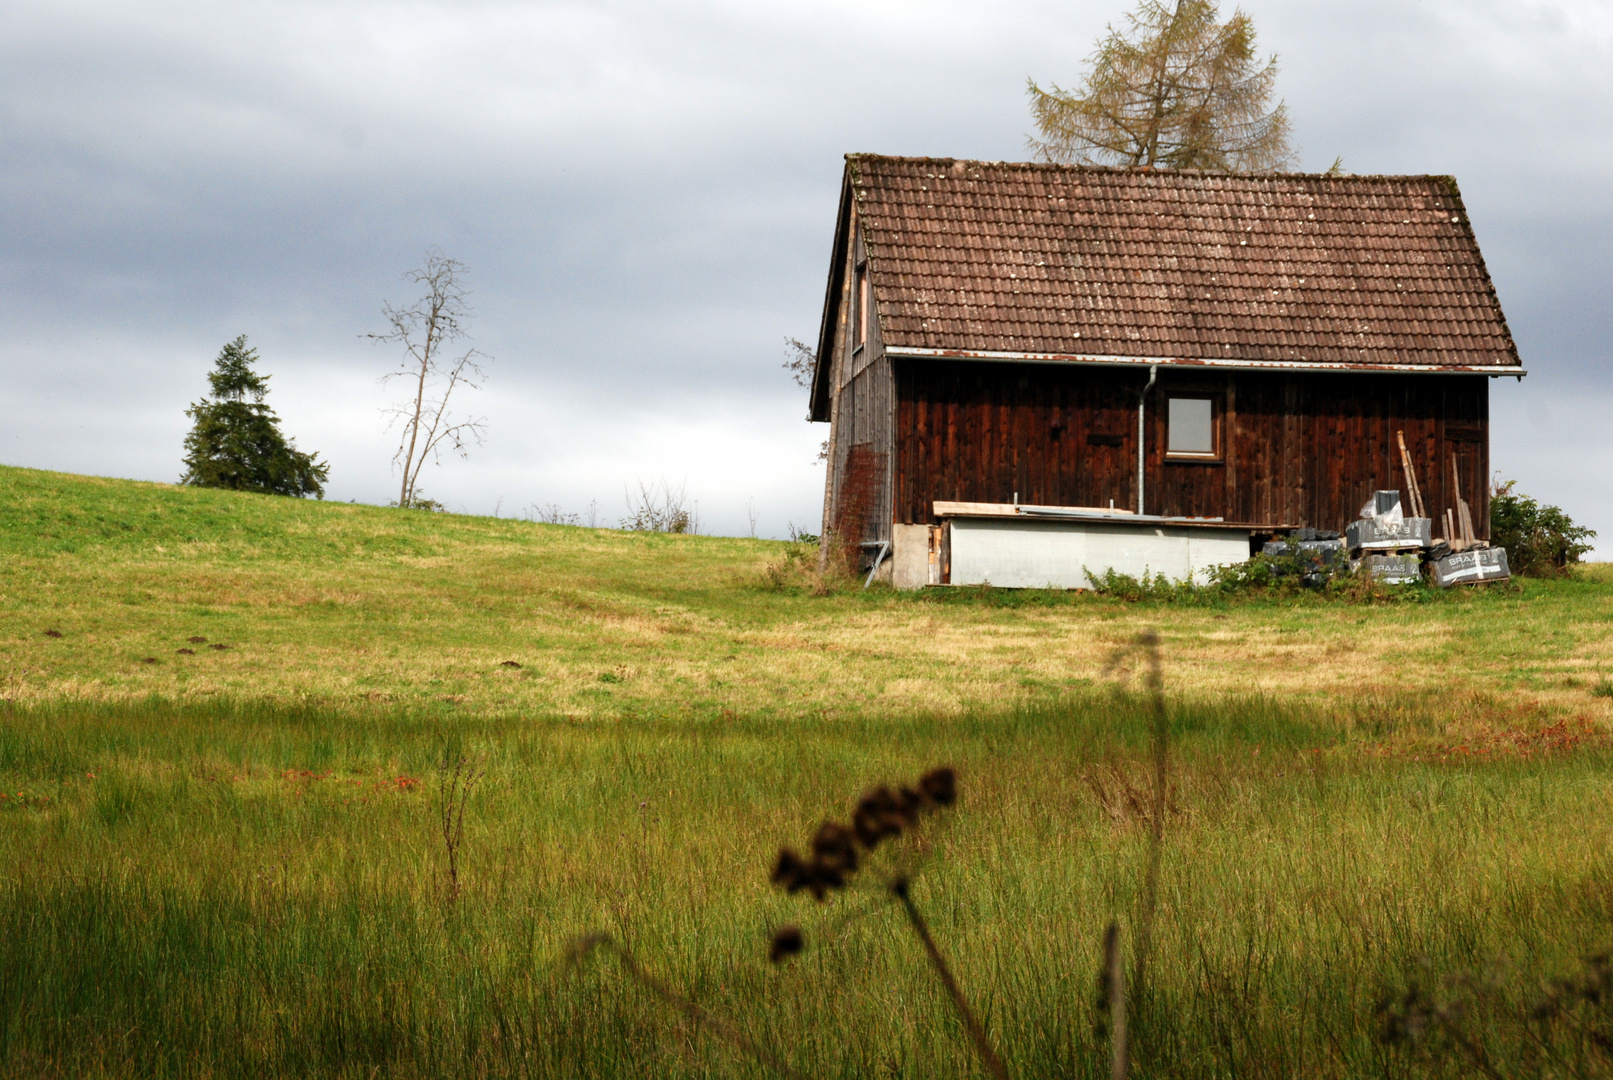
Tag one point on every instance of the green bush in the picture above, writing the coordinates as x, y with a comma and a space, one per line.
1289, 574
1149, 587
1291, 570
1541, 541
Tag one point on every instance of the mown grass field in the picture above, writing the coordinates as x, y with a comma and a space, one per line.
228, 863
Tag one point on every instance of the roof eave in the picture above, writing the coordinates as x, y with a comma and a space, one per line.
1224, 363
818, 408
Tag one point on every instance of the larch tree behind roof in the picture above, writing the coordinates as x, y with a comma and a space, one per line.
1178, 89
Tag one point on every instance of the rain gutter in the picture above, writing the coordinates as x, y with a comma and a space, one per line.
1494, 371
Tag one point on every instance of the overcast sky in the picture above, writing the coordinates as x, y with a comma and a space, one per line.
644, 195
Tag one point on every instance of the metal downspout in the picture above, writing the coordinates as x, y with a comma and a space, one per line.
1153, 374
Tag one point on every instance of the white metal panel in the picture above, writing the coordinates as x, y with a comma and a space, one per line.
1210, 548
1062, 554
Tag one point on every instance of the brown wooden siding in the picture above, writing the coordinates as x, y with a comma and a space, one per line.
982, 432
1295, 448
861, 436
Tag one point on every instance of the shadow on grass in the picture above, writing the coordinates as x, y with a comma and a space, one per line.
248, 889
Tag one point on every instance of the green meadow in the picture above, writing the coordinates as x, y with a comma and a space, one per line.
1385, 818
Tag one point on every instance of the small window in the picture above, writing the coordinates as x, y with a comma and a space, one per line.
860, 333
1191, 423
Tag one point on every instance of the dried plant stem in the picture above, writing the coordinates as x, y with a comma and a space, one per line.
1451, 1022
1114, 978
988, 1056
697, 1015
1149, 642
1475, 1053
455, 781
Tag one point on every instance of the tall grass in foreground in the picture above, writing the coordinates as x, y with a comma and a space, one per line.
238, 891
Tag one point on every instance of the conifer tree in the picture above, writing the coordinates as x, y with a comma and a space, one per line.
1179, 90
235, 441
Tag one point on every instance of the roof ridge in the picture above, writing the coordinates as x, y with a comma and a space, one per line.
1124, 170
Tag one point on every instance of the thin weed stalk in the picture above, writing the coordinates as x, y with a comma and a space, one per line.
1112, 1001
1148, 642
696, 1013
456, 779
988, 1056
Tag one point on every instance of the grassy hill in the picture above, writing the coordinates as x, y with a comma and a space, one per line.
231, 862
348, 604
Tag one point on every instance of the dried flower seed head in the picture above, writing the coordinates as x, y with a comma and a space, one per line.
880, 813
910, 802
1598, 981
819, 877
831, 837
868, 829
824, 878
787, 941
895, 822
1406, 1019
835, 846
878, 801
790, 873
878, 816
940, 786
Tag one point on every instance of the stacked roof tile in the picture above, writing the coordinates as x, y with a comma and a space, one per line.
1050, 259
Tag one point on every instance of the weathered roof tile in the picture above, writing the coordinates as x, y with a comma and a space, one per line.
994, 257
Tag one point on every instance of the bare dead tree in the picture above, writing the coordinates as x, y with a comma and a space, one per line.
667, 510
551, 514
433, 368
801, 360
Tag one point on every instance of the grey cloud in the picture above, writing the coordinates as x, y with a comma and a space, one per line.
644, 194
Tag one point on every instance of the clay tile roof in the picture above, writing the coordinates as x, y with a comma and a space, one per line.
1052, 259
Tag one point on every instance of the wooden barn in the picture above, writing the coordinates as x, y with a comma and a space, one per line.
1141, 368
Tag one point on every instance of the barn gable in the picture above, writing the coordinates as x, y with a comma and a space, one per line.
1314, 271
980, 318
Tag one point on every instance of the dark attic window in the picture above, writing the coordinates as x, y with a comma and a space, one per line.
1190, 423
860, 322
